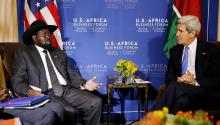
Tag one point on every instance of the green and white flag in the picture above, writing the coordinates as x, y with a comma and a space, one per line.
180, 7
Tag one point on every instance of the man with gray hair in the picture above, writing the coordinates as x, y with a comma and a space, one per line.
193, 72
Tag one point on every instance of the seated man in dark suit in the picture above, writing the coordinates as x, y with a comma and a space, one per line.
39, 68
38, 116
193, 72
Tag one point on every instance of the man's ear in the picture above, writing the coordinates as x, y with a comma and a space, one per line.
193, 34
34, 37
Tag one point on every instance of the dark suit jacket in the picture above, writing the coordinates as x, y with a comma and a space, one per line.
207, 66
28, 69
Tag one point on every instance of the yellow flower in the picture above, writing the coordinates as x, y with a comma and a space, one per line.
168, 124
126, 68
162, 117
165, 110
159, 114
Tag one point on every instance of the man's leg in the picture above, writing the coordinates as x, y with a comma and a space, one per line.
189, 97
70, 112
38, 116
182, 103
56, 108
167, 98
90, 105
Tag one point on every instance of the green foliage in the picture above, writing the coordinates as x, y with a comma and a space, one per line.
125, 68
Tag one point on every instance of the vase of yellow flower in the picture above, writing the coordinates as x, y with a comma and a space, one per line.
126, 69
129, 79
126, 79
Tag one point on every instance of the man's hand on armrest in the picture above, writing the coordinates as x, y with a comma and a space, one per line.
32, 92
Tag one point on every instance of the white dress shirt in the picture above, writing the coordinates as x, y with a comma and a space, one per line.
192, 58
59, 76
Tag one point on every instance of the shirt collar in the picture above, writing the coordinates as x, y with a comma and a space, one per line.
192, 46
40, 49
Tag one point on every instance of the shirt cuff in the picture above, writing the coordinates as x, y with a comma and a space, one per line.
197, 84
82, 88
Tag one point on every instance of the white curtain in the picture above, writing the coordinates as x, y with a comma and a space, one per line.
8, 21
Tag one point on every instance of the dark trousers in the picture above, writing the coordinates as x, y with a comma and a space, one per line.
50, 114
80, 101
179, 96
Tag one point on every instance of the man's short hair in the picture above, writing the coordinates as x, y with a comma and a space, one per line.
191, 22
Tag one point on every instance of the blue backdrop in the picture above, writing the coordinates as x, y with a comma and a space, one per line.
97, 33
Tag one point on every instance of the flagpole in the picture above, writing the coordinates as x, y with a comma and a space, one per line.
218, 35
207, 33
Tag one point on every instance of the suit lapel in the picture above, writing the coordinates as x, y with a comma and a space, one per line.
39, 64
57, 61
36, 57
179, 58
200, 51
200, 58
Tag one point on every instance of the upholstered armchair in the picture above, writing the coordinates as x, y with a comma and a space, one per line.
7, 51
163, 88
